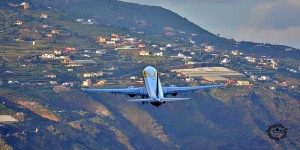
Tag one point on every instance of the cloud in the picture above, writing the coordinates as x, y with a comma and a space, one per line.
288, 36
172, 2
273, 21
278, 14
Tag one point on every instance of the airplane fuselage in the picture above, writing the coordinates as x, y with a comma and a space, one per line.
153, 85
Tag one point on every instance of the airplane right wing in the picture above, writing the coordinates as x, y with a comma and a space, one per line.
173, 90
174, 99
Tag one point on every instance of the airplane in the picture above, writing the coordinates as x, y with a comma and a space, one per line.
153, 91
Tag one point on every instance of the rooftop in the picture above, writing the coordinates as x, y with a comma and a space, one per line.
7, 119
208, 71
83, 62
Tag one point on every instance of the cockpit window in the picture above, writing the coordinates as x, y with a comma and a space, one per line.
147, 74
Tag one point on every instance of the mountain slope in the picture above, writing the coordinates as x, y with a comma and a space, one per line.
151, 19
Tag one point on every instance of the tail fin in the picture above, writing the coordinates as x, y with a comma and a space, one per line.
157, 90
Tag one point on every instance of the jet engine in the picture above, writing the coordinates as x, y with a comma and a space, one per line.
174, 94
131, 95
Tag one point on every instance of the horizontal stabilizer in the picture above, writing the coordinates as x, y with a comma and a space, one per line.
142, 100
174, 99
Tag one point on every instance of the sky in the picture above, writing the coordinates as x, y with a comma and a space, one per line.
265, 21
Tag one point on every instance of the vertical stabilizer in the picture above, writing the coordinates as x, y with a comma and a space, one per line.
157, 85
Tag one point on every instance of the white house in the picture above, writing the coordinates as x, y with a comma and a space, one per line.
180, 55
48, 56
225, 61
87, 82
101, 51
144, 53
158, 54
168, 45
250, 59
264, 78
53, 82
209, 48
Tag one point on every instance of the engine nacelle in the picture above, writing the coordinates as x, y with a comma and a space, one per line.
174, 94
156, 103
131, 95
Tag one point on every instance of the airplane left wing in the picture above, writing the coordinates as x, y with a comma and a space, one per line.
142, 100
133, 91
173, 90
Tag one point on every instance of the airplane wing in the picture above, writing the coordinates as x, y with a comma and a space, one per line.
141, 91
142, 100
174, 90
174, 99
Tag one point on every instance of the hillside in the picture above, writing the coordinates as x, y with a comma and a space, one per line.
154, 21
47, 56
150, 19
